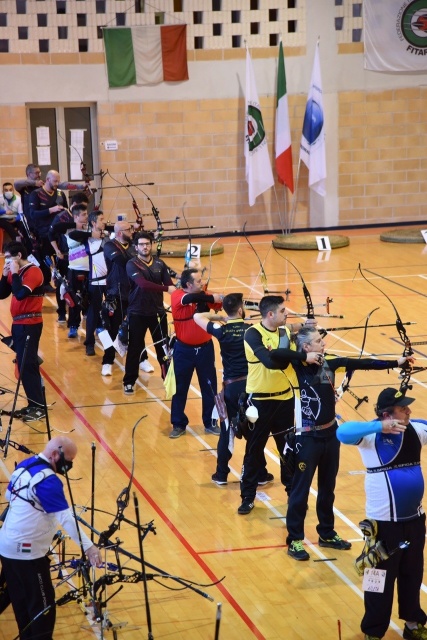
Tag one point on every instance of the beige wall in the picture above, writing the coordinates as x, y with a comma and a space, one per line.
382, 156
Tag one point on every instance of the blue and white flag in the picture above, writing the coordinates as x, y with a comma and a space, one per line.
312, 147
395, 35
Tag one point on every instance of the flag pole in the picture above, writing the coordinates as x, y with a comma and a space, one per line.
295, 200
278, 209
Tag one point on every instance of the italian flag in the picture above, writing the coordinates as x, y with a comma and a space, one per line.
283, 133
146, 55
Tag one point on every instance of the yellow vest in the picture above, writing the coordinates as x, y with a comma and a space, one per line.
260, 378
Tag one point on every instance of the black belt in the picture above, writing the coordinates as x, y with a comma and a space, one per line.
392, 466
256, 395
25, 316
317, 427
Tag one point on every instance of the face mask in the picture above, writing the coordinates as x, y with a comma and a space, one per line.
8, 195
63, 466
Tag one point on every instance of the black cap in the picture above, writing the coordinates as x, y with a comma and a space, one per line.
392, 398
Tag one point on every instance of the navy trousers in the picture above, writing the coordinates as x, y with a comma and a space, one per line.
187, 360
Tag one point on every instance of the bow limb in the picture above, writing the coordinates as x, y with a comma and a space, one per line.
345, 384
156, 215
406, 370
210, 262
264, 282
187, 254
307, 296
122, 499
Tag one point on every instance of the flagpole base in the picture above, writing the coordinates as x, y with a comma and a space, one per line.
404, 236
308, 242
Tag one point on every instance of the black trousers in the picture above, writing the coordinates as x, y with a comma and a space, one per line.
115, 321
138, 325
275, 417
30, 589
311, 453
78, 282
62, 266
93, 320
187, 360
30, 372
406, 567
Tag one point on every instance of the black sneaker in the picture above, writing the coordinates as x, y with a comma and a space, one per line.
266, 480
336, 543
90, 350
217, 480
296, 550
214, 430
420, 633
33, 414
246, 507
176, 433
128, 389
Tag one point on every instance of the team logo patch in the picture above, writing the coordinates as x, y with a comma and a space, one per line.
256, 131
302, 466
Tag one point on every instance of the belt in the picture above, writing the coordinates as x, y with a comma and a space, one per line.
231, 380
317, 427
25, 316
194, 346
256, 395
392, 466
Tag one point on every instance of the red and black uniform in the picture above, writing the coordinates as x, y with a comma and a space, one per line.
193, 351
26, 288
148, 282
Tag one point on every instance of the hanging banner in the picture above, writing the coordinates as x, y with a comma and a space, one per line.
395, 34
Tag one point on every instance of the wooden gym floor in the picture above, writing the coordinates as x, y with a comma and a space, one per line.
199, 536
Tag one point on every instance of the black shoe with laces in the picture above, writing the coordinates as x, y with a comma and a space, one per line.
216, 478
33, 414
266, 480
335, 543
246, 507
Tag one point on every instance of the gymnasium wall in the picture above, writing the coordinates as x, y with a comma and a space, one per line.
188, 137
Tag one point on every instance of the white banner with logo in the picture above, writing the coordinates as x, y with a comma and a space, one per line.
395, 34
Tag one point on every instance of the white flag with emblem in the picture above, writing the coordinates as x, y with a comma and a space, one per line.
312, 147
259, 174
395, 34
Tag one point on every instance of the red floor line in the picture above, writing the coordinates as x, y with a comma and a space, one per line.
196, 556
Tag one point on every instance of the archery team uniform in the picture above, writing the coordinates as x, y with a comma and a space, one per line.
148, 282
116, 257
235, 370
40, 201
270, 392
36, 504
316, 446
394, 488
26, 304
193, 351
94, 248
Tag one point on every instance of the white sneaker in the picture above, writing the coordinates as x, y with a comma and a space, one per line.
146, 366
107, 370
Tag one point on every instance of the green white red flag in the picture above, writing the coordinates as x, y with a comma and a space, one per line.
283, 132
